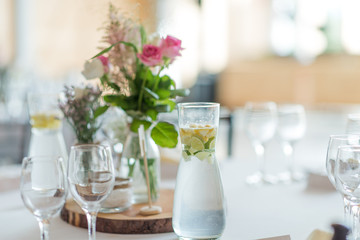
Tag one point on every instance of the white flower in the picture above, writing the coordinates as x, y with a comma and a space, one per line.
79, 92
93, 69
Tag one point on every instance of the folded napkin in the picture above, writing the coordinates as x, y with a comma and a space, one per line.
319, 181
285, 237
320, 235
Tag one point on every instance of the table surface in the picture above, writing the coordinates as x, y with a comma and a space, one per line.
252, 212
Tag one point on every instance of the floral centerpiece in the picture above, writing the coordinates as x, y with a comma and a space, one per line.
130, 71
81, 108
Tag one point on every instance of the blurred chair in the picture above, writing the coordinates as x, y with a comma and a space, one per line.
14, 138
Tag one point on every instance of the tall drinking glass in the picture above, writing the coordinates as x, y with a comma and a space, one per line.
290, 129
91, 179
346, 173
46, 126
260, 120
336, 141
43, 188
199, 206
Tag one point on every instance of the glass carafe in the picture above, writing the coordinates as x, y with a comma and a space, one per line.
199, 205
46, 126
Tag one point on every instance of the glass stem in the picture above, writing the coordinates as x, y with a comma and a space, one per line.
91, 219
347, 213
289, 154
355, 231
260, 153
44, 225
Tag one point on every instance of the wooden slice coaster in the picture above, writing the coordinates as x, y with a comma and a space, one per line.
127, 222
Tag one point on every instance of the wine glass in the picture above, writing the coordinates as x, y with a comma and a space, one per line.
353, 123
291, 128
91, 179
43, 188
336, 141
260, 122
347, 180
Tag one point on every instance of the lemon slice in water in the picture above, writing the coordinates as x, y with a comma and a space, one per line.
202, 155
196, 144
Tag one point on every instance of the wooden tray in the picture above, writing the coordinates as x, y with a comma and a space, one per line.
127, 222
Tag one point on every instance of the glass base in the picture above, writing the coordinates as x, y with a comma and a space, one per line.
142, 198
260, 179
288, 177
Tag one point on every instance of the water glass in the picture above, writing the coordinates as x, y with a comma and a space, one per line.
43, 188
260, 121
335, 141
91, 179
353, 123
346, 174
291, 128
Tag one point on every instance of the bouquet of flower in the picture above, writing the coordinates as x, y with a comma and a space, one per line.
130, 68
81, 107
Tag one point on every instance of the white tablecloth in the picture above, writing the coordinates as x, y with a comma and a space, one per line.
252, 212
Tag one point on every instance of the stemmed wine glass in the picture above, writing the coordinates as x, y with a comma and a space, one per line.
336, 141
353, 123
43, 188
347, 180
91, 179
260, 125
291, 128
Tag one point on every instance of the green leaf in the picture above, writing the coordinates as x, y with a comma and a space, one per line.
136, 124
100, 110
152, 113
163, 94
166, 105
114, 86
143, 35
104, 79
165, 135
144, 74
151, 93
113, 45
162, 108
126, 103
179, 92
165, 82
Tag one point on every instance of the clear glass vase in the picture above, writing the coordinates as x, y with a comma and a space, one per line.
132, 166
199, 206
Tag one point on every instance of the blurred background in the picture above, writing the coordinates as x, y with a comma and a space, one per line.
299, 51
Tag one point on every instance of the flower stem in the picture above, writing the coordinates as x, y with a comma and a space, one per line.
157, 79
141, 94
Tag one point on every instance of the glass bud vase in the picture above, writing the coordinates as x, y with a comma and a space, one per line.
199, 205
132, 166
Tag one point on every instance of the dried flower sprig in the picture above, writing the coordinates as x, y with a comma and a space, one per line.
81, 107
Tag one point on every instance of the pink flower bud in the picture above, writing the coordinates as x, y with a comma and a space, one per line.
105, 61
151, 55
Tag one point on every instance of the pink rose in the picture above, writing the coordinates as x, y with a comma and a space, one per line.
105, 62
151, 55
171, 47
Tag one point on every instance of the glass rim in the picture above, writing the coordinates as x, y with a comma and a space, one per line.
44, 158
198, 104
89, 145
344, 135
355, 147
